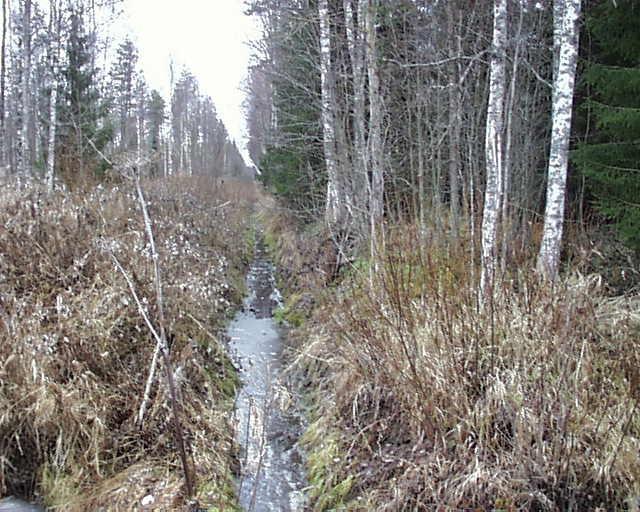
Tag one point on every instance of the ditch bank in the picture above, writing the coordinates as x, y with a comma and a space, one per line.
75, 351
420, 400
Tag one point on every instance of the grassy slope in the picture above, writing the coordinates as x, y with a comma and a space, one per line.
421, 399
75, 353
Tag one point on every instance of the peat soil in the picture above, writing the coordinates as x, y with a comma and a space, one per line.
267, 424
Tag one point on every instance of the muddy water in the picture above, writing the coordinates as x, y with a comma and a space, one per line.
267, 427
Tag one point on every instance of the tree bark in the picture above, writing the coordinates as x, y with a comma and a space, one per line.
376, 205
455, 106
566, 39
494, 149
333, 214
56, 36
25, 149
3, 77
356, 44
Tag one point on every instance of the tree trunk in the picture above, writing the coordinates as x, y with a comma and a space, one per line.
566, 38
493, 149
3, 77
55, 38
51, 145
376, 205
455, 52
25, 149
507, 171
356, 42
333, 215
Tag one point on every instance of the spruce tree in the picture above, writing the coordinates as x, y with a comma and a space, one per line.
610, 158
85, 128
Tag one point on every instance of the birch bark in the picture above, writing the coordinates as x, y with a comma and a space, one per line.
333, 214
25, 150
494, 148
3, 74
55, 45
566, 39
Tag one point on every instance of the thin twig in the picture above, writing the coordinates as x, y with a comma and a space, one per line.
164, 348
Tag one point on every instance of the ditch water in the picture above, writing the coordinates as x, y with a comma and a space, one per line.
267, 428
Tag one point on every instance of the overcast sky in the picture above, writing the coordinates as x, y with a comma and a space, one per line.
208, 36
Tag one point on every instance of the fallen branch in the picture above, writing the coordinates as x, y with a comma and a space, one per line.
159, 335
163, 346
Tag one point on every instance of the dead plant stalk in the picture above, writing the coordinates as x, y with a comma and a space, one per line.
160, 337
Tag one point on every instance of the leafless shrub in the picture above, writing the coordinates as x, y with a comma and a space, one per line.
528, 403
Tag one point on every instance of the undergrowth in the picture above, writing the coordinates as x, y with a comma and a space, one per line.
75, 352
426, 399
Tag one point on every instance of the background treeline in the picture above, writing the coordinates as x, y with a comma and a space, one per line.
432, 61
72, 99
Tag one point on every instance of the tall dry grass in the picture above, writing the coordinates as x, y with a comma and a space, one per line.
529, 402
75, 353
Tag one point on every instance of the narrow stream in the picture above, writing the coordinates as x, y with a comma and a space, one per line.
267, 429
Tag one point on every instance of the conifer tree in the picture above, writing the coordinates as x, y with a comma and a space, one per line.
83, 113
610, 158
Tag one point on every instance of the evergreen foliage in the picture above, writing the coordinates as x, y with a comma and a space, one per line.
610, 159
292, 166
85, 127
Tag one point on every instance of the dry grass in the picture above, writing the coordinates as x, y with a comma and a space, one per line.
75, 352
436, 403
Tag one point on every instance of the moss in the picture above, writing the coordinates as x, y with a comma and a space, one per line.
224, 376
329, 488
290, 313
222, 492
230, 380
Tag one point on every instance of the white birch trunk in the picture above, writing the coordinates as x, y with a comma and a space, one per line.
25, 150
140, 123
566, 42
333, 208
51, 143
493, 149
3, 76
56, 34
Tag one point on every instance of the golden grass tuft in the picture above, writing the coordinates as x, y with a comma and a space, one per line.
75, 352
528, 402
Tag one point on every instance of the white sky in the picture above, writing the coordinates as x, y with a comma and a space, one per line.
207, 36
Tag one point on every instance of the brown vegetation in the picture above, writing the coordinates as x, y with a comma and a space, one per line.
75, 352
431, 401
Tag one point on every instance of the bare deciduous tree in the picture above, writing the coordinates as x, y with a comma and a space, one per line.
566, 38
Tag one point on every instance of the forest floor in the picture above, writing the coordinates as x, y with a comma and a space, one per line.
75, 351
421, 398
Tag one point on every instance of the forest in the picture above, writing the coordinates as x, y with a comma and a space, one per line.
418, 291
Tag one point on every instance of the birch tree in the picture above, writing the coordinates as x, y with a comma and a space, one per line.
55, 31
565, 34
333, 213
494, 148
3, 77
25, 149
